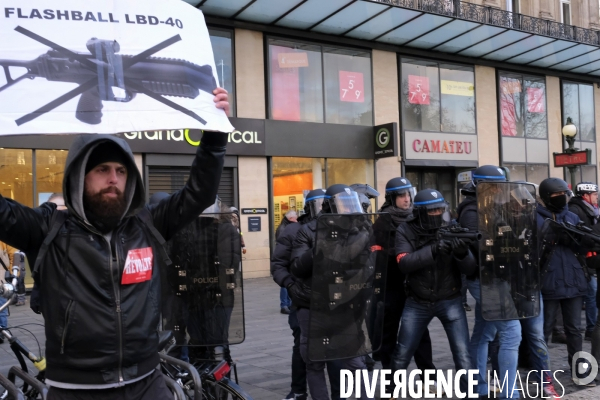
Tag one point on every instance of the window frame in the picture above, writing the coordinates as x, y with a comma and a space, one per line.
232, 105
593, 144
321, 45
438, 62
498, 102
562, 16
523, 77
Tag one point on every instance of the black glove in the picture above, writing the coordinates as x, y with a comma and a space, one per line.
298, 296
460, 249
441, 247
564, 238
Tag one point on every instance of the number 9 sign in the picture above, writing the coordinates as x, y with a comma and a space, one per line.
418, 89
352, 87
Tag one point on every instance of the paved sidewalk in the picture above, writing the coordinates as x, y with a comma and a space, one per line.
264, 358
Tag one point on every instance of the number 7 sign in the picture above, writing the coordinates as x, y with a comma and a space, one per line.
352, 87
418, 89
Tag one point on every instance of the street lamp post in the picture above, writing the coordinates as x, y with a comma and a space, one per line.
569, 131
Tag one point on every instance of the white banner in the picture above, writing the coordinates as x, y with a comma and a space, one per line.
100, 66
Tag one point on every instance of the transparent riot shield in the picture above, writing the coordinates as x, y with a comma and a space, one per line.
508, 254
203, 297
348, 284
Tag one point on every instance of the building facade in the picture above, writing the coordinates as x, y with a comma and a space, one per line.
310, 82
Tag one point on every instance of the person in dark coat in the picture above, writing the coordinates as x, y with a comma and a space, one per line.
585, 205
564, 277
339, 199
280, 270
433, 268
484, 332
291, 217
399, 196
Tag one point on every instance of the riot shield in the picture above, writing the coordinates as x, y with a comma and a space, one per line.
348, 285
508, 254
203, 295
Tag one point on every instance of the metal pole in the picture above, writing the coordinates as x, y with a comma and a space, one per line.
573, 170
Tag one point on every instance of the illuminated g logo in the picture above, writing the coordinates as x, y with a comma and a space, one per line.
383, 138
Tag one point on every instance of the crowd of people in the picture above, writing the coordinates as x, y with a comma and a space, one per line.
427, 277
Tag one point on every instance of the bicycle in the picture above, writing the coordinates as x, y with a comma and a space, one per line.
201, 379
33, 386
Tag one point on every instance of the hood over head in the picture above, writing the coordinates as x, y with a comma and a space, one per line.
75, 170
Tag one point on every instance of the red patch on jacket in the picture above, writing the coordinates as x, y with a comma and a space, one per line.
399, 257
138, 266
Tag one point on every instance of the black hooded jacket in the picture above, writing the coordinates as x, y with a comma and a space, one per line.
429, 277
280, 262
100, 331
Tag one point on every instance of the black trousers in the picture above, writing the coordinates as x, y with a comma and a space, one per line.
152, 387
394, 305
298, 365
571, 313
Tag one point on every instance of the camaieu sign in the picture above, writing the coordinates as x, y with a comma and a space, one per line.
248, 139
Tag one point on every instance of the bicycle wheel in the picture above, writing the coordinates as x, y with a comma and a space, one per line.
225, 389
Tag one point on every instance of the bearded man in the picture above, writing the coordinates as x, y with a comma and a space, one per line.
97, 265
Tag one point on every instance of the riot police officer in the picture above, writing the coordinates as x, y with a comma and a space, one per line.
564, 280
509, 332
339, 199
432, 269
280, 269
399, 196
585, 205
365, 194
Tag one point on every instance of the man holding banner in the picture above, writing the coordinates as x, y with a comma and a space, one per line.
97, 264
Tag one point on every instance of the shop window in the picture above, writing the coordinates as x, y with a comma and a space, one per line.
437, 97
16, 175
523, 106
313, 83
534, 173
49, 171
578, 104
294, 177
222, 46
523, 126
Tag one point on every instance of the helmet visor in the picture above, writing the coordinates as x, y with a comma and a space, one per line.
434, 216
345, 203
315, 205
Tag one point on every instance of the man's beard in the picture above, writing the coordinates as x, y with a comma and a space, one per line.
104, 213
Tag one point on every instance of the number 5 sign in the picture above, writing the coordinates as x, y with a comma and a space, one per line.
418, 89
352, 87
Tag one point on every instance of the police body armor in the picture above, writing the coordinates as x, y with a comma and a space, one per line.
348, 283
203, 295
508, 254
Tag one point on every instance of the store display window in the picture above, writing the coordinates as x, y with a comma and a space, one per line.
437, 97
313, 83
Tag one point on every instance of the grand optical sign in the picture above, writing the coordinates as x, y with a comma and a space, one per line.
440, 146
248, 139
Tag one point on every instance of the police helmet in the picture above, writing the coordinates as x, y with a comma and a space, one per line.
585, 188
313, 203
398, 186
431, 209
488, 173
365, 193
341, 199
550, 186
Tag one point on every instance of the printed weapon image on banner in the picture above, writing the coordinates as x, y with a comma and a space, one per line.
104, 75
